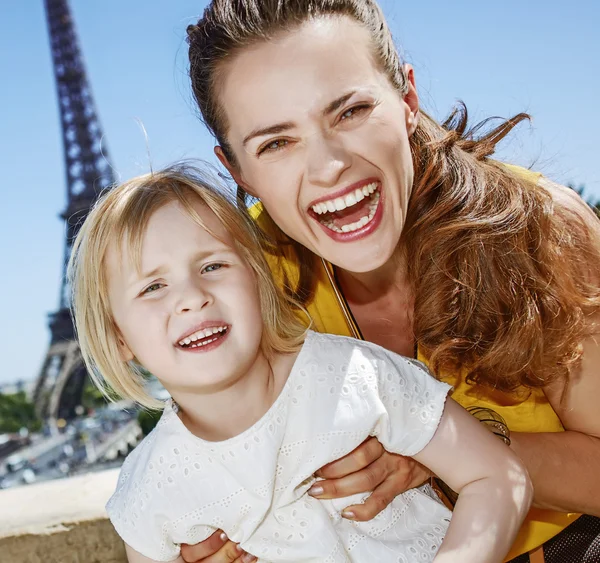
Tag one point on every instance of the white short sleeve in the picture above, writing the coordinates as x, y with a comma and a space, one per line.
129, 507
412, 400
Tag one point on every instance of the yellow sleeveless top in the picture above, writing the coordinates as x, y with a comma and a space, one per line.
526, 410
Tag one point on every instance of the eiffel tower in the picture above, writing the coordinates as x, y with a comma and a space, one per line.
60, 384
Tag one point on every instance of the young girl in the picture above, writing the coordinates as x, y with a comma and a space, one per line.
167, 274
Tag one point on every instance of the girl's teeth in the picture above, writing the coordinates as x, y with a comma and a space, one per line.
340, 203
199, 344
199, 335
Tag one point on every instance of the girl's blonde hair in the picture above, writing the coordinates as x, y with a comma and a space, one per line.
120, 217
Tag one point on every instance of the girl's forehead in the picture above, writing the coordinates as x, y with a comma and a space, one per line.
168, 227
193, 222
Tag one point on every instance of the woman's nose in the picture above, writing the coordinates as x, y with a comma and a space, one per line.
327, 159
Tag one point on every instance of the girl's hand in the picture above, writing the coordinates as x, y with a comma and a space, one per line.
215, 549
369, 468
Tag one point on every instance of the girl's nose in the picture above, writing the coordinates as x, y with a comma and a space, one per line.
192, 297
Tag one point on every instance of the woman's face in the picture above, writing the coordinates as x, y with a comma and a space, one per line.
321, 137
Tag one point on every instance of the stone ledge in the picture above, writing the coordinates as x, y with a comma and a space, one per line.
61, 521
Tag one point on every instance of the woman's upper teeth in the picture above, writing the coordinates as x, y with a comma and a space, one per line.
350, 199
204, 333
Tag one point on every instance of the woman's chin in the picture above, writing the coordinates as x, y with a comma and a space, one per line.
359, 261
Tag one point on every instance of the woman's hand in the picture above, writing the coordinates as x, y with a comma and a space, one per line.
218, 548
369, 468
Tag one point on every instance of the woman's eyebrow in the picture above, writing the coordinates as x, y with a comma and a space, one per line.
271, 130
338, 102
286, 126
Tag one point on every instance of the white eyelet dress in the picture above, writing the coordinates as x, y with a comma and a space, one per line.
176, 488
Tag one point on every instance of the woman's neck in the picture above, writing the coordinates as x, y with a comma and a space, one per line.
228, 412
367, 287
382, 304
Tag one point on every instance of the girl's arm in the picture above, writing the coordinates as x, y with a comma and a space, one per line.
134, 556
495, 490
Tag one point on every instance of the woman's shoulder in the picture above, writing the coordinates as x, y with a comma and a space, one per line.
569, 201
563, 197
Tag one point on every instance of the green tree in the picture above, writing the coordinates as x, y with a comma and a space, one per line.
17, 412
92, 397
148, 419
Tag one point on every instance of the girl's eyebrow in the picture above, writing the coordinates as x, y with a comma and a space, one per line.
139, 276
287, 125
161, 269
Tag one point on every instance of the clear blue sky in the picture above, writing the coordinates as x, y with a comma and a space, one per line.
499, 57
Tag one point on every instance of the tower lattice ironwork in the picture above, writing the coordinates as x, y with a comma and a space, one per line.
88, 171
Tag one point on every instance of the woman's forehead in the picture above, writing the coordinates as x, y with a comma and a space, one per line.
296, 73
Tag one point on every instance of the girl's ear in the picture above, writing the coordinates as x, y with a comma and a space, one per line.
233, 170
124, 351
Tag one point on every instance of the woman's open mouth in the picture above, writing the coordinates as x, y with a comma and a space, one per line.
351, 213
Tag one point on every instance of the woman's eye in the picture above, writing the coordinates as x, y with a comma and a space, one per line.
354, 112
273, 146
152, 288
212, 268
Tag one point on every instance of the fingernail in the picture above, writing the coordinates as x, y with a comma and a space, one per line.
348, 514
315, 491
239, 548
223, 536
248, 558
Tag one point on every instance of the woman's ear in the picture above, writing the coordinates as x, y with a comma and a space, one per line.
234, 171
411, 99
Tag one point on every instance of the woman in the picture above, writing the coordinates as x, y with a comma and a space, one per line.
393, 228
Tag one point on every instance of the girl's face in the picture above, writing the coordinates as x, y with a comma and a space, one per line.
321, 137
191, 315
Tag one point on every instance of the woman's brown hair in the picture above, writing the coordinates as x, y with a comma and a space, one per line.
504, 279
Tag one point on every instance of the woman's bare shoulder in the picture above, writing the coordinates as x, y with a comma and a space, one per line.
572, 202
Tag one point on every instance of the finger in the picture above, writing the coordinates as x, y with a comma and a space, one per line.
412, 475
363, 481
358, 459
381, 497
212, 544
229, 553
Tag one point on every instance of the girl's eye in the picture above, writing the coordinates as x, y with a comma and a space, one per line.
152, 288
354, 111
273, 146
212, 268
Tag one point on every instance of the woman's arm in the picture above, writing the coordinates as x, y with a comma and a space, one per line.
369, 468
495, 491
564, 466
